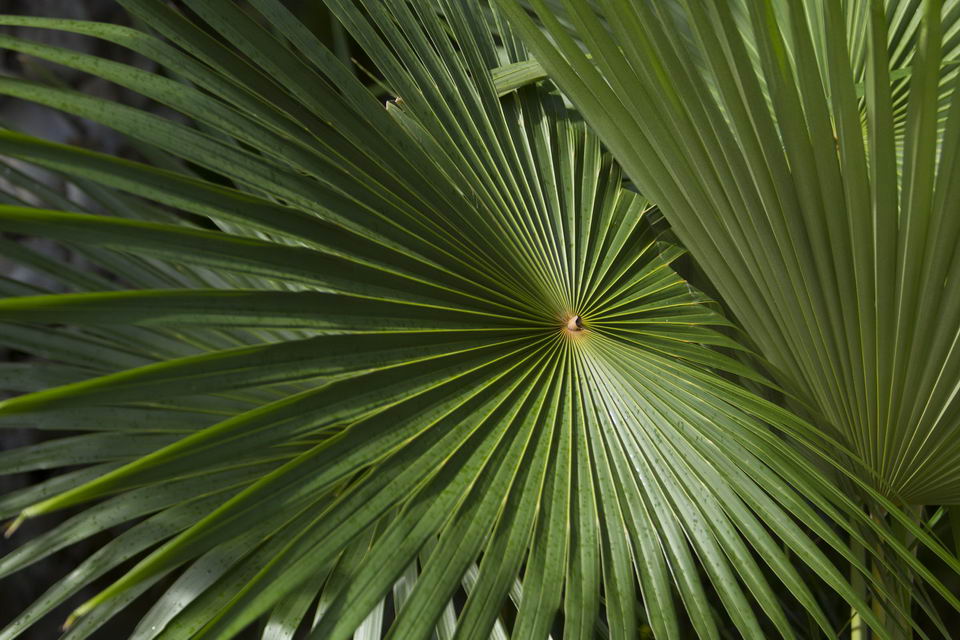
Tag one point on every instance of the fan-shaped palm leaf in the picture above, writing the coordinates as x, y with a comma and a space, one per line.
429, 349
838, 264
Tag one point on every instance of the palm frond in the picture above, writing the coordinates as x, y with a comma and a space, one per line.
431, 354
837, 260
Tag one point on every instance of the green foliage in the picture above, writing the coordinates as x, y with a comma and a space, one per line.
424, 367
833, 251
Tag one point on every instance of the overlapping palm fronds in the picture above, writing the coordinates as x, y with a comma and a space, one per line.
367, 370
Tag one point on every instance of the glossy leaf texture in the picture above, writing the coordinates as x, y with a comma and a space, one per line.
341, 358
833, 249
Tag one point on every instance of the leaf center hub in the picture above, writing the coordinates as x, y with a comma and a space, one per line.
574, 324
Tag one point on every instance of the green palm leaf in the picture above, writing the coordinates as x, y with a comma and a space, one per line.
854, 319
430, 355
828, 226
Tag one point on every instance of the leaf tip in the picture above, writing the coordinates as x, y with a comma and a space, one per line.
75, 615
69, 622
14, 525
